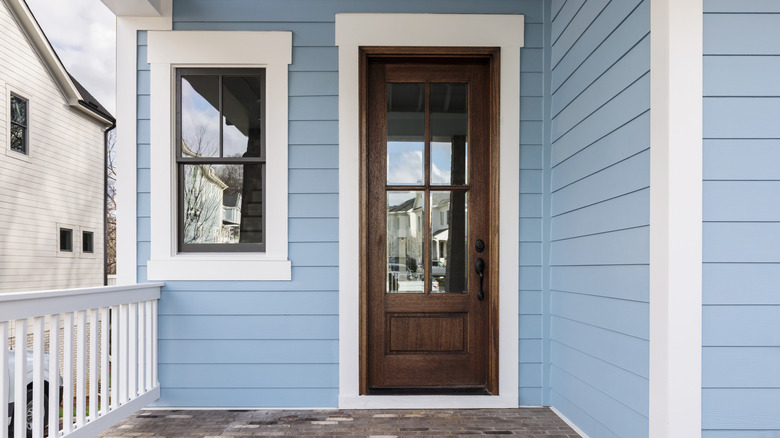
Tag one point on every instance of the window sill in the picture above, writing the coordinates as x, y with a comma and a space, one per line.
246, 267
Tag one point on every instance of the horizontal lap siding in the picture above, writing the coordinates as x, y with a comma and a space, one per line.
275, 343
741, 313
599, 215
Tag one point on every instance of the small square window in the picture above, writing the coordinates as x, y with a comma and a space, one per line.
66, 239
18, 124
88, 242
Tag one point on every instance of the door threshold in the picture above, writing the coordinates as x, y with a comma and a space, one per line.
428, 401
465, 390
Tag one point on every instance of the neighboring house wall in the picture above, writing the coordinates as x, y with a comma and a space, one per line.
58, 184
599, 215
741, 270
275, 343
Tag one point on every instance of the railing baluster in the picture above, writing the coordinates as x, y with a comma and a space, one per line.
20, 372
54, 374
123, 348
93, 364
81, 368
4, 379
154, 340
132, 345
149, 341
141, 384
37, 387
104, 382
67, 373
114, 357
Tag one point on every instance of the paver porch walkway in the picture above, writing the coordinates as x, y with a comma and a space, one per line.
525, 422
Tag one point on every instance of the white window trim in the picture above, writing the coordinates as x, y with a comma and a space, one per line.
168, 50
9, 90
352, 32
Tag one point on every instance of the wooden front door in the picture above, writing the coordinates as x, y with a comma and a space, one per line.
430, 240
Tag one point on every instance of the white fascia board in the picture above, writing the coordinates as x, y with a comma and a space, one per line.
51, 61
126, 141
427, 30
135, 8
676, 117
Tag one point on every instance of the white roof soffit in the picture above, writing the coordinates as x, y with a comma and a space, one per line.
49, 57
134, 8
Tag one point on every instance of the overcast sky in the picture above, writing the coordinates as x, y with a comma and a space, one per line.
83, 35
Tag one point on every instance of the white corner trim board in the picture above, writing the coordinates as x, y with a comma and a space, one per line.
168, 50
676, 218
126, 142
427, 30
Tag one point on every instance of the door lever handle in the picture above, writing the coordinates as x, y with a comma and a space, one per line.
479, 266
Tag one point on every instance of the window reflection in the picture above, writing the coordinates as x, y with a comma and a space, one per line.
405, 236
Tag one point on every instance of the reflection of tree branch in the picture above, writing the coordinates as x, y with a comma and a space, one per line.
111, 203
198, 139
202, 204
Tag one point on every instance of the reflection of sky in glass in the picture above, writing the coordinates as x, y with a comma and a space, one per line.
233, 141
404, 162
200, 122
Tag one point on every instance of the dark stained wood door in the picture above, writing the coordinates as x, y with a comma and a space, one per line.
429, 220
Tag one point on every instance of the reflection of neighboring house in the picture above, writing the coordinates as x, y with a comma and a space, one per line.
440, 224
211, 215
52, 162
404, 222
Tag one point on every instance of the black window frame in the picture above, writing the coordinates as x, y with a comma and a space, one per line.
66, 244
87, 242
25, 127
181, 161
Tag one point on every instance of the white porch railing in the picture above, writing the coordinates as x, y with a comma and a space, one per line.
99, 345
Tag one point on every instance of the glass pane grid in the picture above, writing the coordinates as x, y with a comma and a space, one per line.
427, 146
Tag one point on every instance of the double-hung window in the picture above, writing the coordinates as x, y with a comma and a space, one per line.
18, 124
220, 157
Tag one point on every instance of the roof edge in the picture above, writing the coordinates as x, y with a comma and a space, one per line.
52, 62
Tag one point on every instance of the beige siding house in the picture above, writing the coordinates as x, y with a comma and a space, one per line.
52, 147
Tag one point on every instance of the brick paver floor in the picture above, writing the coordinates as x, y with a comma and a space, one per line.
525, 422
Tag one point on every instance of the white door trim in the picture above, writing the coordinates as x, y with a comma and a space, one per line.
427, 30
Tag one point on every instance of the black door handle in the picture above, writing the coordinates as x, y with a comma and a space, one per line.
479, 266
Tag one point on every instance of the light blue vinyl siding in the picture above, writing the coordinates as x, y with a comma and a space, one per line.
597, 356
275, 344
741, 271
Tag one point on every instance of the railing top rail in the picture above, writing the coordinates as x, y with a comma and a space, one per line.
19, 305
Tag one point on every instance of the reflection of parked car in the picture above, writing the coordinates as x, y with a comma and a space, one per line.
28, 379
438, 268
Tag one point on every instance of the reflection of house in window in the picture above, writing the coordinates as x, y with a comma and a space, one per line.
440, 208
211, 213
405, 229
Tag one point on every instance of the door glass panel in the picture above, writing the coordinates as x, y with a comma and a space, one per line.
405, 236
449, 242
449, 129
200, 116
405, 133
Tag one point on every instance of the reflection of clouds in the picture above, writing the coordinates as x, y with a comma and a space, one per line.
233, 141
404, 162
200, 122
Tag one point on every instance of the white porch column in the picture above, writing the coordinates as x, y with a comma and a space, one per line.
676, 218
